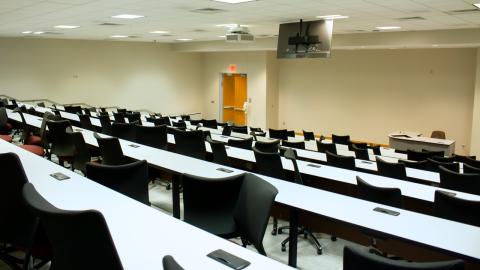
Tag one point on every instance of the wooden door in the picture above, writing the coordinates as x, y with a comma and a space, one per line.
240, 99
228, 97
234, 96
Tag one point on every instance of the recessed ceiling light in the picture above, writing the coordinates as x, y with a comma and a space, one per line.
222, 36
66, 26
119, 36
332, 17
183, 39
159, 32
234, 1
231, 25
38, 33
127, 16
387, 27
26, 32
477, 5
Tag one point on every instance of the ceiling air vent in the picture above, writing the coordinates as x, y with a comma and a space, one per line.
199, 30
416, 18
463, 11
208, 10
109, 24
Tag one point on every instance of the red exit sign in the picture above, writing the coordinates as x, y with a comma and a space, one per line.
232, 68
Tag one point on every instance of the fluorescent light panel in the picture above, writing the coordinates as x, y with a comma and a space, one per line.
38, 32
66, 26
27, 32
183, 39
387, 27
332, 17
234, 1
127, 16
159, 32
477, 5
119, 36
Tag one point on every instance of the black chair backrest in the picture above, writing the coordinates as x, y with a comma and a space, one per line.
241, 143
110, 150
81, 155
254, 129
253, 209
470, 169
340, 161
448, 206
190, 143
240, 129
433, 165
43, 128
105, 123
210, 123
62, 144
269, 164
165, 121
419, 165
135, 116
387, 196
152, 136
124, 131
85, 122
356, 259
358, 145
390, 169
3, 118
185, 117
16, 222
227, 130
418, 156
376, 150
280, 134
444, 159
434, 153
209, 203
291, 133
466, 182
324, 147
129, 179
41, 104
308, 135
124, 111
291, 154
74, 235
219, 151
26, 132
267, 147
470, 160
180, 125
360, 153
119, 117
297, 145
341, 139
169, 263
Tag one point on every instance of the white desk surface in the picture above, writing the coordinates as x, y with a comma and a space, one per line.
409, 136
142, 235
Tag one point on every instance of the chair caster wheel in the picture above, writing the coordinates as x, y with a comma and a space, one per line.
305, 236
274, 232
279, 232
168, 187
334, 238
319, 252
284, 248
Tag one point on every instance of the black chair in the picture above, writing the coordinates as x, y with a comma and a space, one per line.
219, 151
190, 143
419, 165
120, 110
297, 145
376, 149
340, 161
241, 143
129, 179
338, 139
210, 123
165, 121
195, 122
119, 117
280, 134
470, 169
180, 125
240, 129
470, 160
444, 159
254, 129
152, 136
110, 150
124, 131
85, 122
61, 143
169, 263
269, 164
466, 182
105, 123
308, 135
17, 224
418, 156
324, 147
434, 165
356, 259
291, 133
74, 235
185, 117
358, 145
268, 146
448, 206
81, 155
360, 152
387, 196
434, 153
134, 117
389, 169
227, 130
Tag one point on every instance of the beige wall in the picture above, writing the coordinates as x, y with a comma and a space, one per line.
369, 93
272, 90
127, 74
475, 140
251, 63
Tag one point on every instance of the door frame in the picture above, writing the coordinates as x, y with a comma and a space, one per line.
220, 94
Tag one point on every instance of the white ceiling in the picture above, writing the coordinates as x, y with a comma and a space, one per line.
263, 16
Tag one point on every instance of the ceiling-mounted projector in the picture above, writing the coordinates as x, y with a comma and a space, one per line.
239, 34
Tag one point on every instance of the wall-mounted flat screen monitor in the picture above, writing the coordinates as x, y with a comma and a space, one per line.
310, 39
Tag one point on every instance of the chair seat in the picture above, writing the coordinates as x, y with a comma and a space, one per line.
34, 140
37, 150
7, 138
